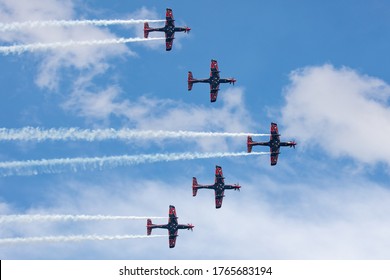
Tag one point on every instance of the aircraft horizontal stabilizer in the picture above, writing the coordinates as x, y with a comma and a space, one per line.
194, 186
249, 144
146, 30
149, 227
190, 80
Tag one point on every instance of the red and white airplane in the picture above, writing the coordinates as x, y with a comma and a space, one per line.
172, 226
219, 186
169, 29
274, 144
214, 80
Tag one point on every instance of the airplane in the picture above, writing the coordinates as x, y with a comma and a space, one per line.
214, 80
219, 186
274, 143
169, 29
172, 226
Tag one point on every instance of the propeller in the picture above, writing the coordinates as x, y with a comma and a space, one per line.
293, 144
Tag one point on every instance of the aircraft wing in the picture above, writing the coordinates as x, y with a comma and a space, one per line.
214, 71
172, 239
274, 131
218, 198
169, 26
169, 15
214, 80
213, 95
219, 175
274, 156
168, 43
172, 213
214, 66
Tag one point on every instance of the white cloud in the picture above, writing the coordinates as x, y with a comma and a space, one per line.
151, 113
231, 116
340, 110
25, 10
98, 105
87, 61
340, 221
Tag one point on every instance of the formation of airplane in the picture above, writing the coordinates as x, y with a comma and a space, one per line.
274, 144
169, 29
172, 226
219, 186
214, 80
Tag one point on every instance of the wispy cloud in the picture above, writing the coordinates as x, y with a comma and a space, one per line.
63, 218
151, 113
87, 61
320, 219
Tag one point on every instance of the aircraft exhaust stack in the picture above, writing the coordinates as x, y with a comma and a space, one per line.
146, 30
194, 186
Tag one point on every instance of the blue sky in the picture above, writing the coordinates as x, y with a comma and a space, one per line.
318, 69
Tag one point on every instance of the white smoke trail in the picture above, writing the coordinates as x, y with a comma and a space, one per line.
72, 134
64, 218
19, 240
49, 166
13, 26
18, 49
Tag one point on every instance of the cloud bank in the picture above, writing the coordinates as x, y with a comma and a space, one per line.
319, 222
340, 110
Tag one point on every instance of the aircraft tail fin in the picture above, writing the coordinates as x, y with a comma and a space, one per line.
146, 30
149, 227
249, 144
190, 80
194, 186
